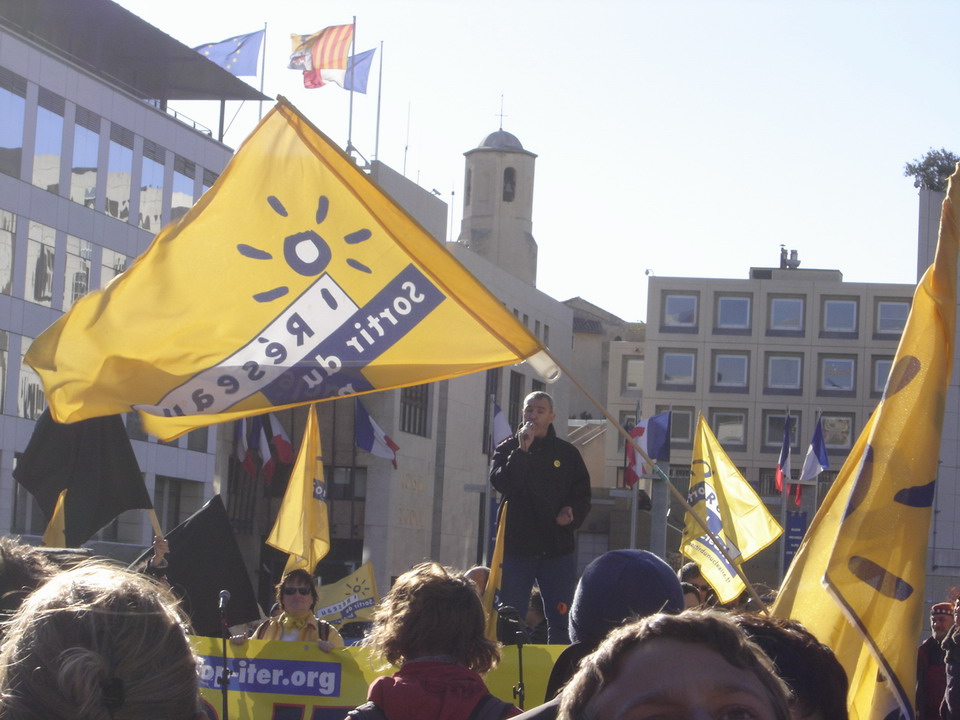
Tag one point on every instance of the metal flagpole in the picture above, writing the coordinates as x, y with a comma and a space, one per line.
353, 50
263, 68
376, 142
783, 497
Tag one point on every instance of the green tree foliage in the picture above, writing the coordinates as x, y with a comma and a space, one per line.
932, 170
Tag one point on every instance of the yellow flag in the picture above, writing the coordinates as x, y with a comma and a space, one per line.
496, 573
733, 512
294, 279
353, 598
302, 527
55, 535
857, 580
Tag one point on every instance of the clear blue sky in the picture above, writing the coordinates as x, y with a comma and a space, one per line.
688, 137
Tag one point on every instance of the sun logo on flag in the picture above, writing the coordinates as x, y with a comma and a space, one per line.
307, 252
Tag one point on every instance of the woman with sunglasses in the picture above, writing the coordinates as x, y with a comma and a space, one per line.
297, 597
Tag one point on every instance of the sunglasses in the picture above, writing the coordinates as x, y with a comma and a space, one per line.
295, 590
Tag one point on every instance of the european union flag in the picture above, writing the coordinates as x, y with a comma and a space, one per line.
237, 55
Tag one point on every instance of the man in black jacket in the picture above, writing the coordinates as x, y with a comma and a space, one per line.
547, 487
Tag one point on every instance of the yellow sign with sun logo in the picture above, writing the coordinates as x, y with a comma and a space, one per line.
294, 279
352, 599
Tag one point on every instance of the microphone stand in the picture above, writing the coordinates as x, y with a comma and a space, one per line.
225, 675
510, 625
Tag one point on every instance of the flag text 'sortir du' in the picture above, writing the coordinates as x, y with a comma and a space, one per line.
315, 349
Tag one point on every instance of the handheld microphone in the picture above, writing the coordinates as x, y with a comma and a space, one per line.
224, 599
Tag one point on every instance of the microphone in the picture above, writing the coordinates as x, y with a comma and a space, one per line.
224, 599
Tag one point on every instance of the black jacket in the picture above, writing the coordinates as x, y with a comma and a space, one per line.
537, 484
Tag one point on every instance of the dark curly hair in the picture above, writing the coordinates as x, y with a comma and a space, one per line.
433, 610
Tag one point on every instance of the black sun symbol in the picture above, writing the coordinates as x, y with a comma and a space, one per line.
307, 253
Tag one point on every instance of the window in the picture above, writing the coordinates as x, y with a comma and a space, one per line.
891, 317
678, 368
784, 374
31, 401
168, 500
730, 372
184, 172
786, 316
134, 427
4, 360
197, 440
49, 143
546, 334
13, 94
209, 178
86, 155
628, 420
839, 317
346, 490
730, 428
681, 424
733, 315
491, 393
77, 281
773, 421
632, 380
679, 312
415, 409
767, 485
515, 400
837, 430
838, 375
538, 386
119, 171
8, 241
151, 186
28, 518
467, 189
509, 184
111, 264
879, 375
41, 245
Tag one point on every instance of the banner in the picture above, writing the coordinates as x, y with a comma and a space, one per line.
297, 681
350, 599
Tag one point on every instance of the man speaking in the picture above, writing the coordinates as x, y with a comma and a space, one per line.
548, 489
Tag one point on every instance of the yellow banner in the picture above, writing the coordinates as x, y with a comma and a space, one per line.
294, 279
353, 598
733, 512
297, 681
857, 581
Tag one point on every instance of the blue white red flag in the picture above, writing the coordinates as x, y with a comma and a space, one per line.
816, 460
653, 437
783, 464
372, 438
500, 427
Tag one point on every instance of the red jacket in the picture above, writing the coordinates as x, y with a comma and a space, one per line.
434, 690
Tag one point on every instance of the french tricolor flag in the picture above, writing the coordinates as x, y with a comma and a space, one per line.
372, 438
783, 464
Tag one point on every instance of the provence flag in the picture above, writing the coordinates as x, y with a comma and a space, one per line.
295, 279
237, 55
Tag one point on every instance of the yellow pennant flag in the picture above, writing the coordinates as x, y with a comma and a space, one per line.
733, 512
55, 535
353, 598
496, 574
857, 581
302, 527
294, 279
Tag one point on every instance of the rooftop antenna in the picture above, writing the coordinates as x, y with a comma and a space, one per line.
407, 146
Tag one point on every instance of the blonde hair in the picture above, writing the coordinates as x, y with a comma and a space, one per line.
98, 642
433, 611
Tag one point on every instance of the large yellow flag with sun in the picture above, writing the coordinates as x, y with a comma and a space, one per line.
732, 511
302, 527
857, 580
294, 279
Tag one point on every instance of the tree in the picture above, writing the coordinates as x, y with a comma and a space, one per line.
932, 170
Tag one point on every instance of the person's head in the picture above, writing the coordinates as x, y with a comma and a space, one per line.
23, 568
297, 593
432, 610
478, 575
621, 585
538, 409
535, 614
696, 664
816, 677
690, 573
98, 642
691, 595
941, 619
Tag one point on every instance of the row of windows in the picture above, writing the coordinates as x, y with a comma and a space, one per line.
786, 315
79, 155
730, 425
782, 372
540, 330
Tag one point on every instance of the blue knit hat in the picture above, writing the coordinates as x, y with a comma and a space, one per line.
620, 585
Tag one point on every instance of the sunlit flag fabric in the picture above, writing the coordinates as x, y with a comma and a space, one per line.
324, 50
857, 581
94, 461
302, 528
351, 599
495, 580
293, 279
237, 55
371, 437
357, 73
652, 434
733, 512
500, 428
816, 460
783, 463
